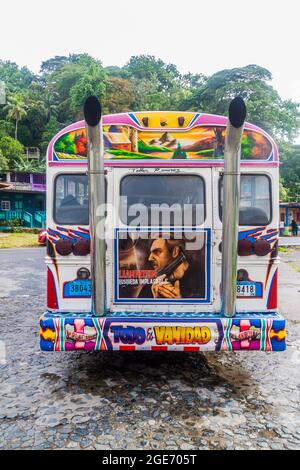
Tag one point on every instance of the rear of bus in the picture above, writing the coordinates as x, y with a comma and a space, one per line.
163, 233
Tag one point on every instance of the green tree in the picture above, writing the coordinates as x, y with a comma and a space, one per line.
24, 134
54, 63
147, 67
290, 171
51, 128
72, 79
16, 78
265, 108
36, 119
16, 110
51, 103
40, 107
119, 72
91, 82
147, 96
119, 96
6, 128
191, 81
283, 191
12, 150
3, 162
156, 85
23, 86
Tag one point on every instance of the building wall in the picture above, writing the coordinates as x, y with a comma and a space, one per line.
287, 214
27, 207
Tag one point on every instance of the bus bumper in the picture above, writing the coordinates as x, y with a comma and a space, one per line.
190, 332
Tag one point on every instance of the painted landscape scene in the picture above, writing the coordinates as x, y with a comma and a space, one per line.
128, 143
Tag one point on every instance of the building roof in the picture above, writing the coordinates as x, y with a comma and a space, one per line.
289, 204
4, 185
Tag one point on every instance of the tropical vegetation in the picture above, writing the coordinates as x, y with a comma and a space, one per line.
39, 105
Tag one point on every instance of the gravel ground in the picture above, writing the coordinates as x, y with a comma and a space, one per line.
140, 400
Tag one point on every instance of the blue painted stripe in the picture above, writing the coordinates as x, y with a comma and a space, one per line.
194, 119
134, 118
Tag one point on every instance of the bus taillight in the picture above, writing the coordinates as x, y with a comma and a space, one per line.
63, 247
244, 247
81, 248
51, 291
262, 247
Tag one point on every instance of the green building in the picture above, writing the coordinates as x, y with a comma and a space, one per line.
22, 199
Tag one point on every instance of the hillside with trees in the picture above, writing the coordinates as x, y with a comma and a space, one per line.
39, 105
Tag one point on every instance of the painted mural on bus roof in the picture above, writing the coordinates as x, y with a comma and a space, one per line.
130, 141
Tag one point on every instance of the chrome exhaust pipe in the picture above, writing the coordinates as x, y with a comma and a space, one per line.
93, 124
231, 201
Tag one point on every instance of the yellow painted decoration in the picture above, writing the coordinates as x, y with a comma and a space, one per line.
280, 335
48, 335
160, 119
182, 334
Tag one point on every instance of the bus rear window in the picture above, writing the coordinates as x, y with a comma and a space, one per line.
71, 204
162, 200
255, 200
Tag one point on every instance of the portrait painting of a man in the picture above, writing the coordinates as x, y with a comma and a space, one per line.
163, 268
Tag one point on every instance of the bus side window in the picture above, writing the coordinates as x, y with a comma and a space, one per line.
255, 199
71, 199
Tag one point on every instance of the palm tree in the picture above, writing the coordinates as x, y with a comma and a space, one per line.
16, 110
50, 104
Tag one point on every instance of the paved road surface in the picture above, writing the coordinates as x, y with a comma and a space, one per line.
289, 241
140, 400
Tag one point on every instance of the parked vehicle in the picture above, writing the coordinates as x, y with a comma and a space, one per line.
42, 237
137, 255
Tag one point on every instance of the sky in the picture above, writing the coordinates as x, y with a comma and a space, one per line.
196, 35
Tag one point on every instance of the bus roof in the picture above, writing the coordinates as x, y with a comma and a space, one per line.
162, 138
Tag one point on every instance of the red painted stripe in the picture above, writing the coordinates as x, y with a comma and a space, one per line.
273, 297
51, 291
127, 348
191, 348
268, 329
159, 348
57, 339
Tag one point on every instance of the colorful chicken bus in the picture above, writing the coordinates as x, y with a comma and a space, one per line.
137, 255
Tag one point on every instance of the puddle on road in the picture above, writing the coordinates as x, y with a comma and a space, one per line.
194, 376
202, 393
